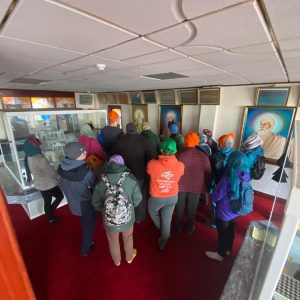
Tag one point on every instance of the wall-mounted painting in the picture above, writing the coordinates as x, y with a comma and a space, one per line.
169, 114
139, 115
272, 124
42, 102
149, 97
276, 96
118, 110
167, 97
16, 102
188, 96
209, 96
135, 97
63, 102
123, 98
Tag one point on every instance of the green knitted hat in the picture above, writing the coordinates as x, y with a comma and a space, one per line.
168, 145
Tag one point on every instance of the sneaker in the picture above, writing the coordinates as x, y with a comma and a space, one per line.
118, 264
214, 255
134, 254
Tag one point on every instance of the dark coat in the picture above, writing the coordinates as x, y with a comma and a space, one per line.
77, 183
153, 140
108, 137
136, 152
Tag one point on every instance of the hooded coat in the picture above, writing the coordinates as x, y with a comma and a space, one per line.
153, 140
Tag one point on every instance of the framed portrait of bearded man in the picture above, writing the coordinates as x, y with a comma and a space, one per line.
272, 124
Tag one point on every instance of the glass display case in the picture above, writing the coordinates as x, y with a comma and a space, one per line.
53, 128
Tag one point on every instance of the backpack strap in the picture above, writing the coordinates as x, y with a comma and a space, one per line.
123, 177
105, 180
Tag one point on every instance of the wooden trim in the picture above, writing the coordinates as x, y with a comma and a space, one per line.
14, 280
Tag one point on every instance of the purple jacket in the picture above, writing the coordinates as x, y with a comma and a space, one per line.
221, 197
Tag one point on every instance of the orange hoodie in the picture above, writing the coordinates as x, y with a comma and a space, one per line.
165, 173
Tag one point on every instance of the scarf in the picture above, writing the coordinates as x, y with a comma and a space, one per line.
86, 129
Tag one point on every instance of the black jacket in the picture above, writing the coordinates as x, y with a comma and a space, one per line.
136, 152
77, 183
108, 137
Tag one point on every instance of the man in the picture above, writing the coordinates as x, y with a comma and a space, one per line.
109, 134
139, 121
176, 136
273, 144
136, 151
152, 138
77, 183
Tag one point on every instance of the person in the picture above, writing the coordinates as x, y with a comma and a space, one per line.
117, 172
44, 177
194, 182
273, 144
210, 141
139, 120
252, 147
152, 138
136, 151
110, 134
238, 170
88, 139
77, 182
203, 146
218, 164
165, 173
176, 136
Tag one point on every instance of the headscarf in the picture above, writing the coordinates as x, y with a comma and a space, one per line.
86, 129
168, 146
31, 148
253, 141
207, 132
203, 138
223, 143
191, 139
238, 169
117, 159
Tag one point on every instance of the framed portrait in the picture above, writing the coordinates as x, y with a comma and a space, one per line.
118, 110
209, 96
169, 114
16, 102
135, 97
63, 102
42, 102
111, 98
149, 97
139, 115
122, 98
275, 96
188, 96
167, 97
272, 124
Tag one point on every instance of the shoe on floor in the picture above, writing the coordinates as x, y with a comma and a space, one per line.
214, 255
118, 264
133, 256
162, 244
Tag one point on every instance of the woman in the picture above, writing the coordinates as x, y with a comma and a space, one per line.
165, 173
203, 146
44, 176
252, 147
118, 206
228, 189
210, 142
88, 139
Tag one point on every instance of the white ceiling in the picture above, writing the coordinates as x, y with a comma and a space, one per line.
220, 42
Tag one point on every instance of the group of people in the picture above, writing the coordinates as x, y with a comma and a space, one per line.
124, 175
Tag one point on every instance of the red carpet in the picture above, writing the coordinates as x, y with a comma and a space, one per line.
57, 271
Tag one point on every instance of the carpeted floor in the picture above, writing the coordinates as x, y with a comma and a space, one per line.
58, 272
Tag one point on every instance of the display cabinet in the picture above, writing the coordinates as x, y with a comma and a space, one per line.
53, 128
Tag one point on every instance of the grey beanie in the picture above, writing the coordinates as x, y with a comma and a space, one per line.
73, 150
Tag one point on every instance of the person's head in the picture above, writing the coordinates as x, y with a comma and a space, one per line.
267, 123
116, 159
226, 141
207, 132
191, 139
146, 126
131, 128
252, 142
173, 128
75, 151
32, 146
113, 118
203, 138
168, 147
87, 130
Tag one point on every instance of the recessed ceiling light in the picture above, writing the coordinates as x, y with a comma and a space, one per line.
101, 67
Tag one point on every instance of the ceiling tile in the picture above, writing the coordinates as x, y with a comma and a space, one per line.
234, 27
4, 5
61, 28
140, 16
129, 49
195, 50
284, 16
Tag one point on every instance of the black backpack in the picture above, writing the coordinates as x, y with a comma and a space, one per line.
258, 169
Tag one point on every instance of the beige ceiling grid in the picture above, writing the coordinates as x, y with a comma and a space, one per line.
220, 42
